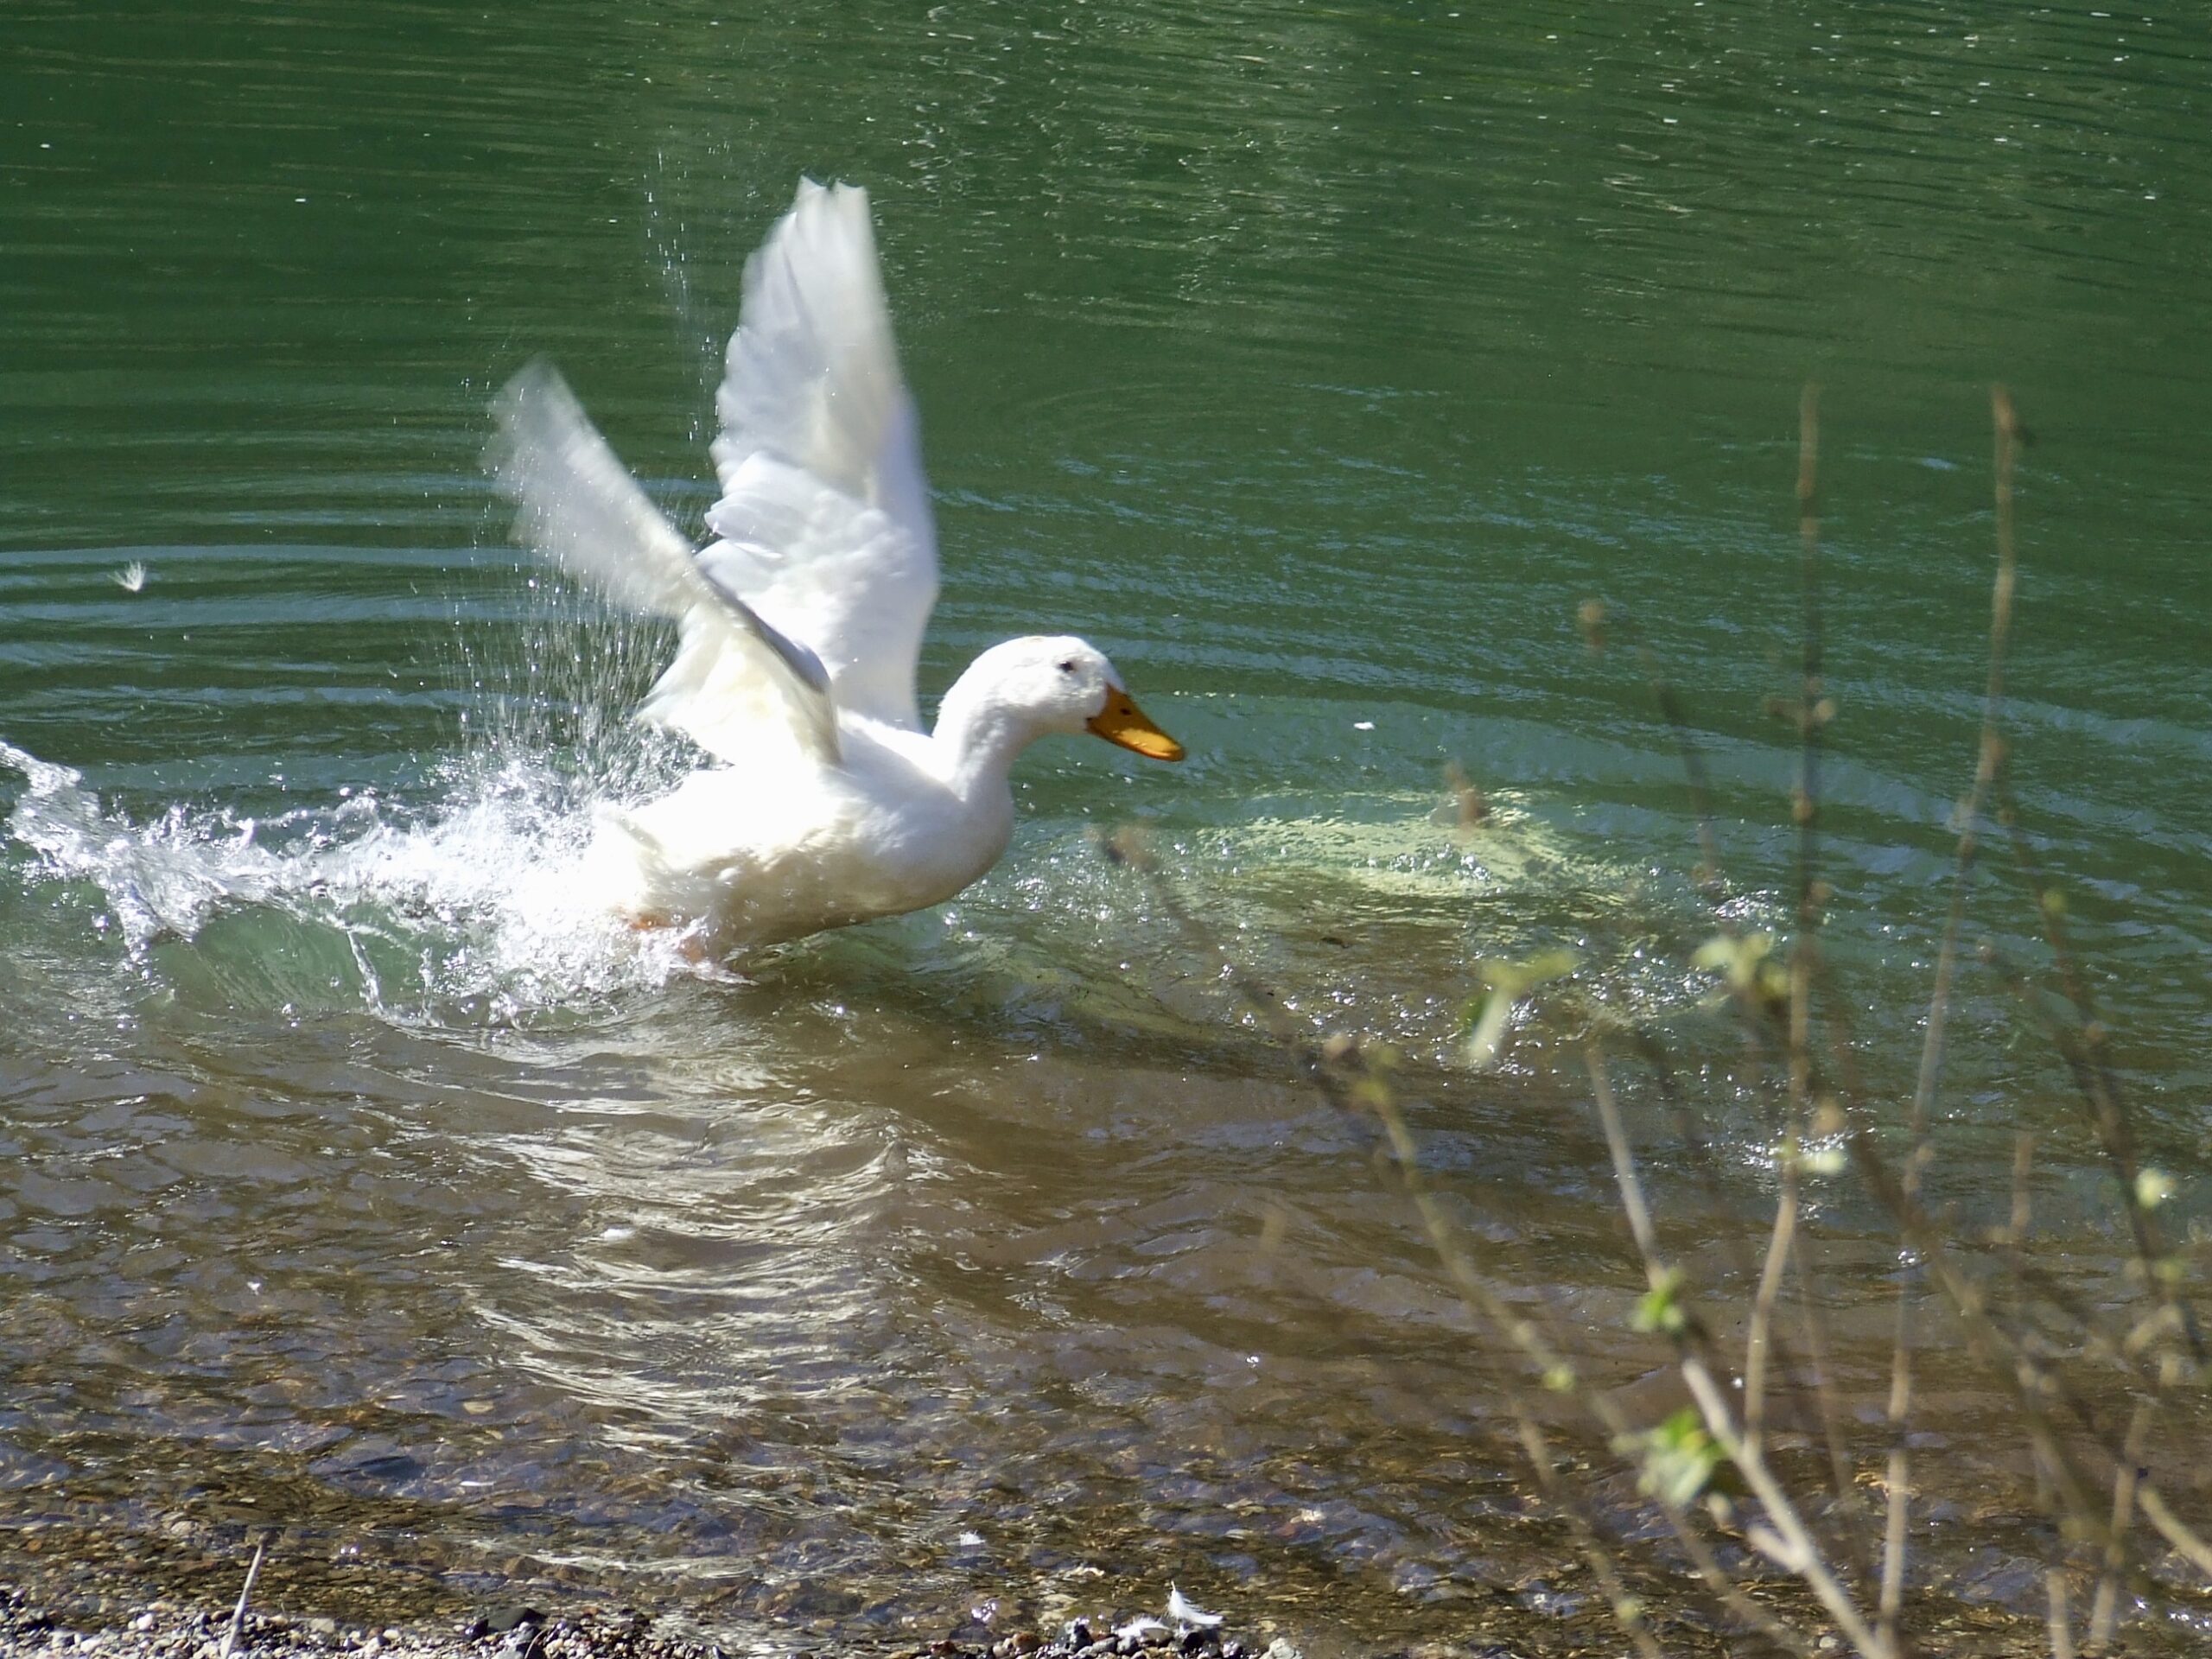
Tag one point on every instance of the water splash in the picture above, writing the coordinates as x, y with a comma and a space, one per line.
470, 907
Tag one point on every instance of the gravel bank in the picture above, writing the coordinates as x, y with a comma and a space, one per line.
164, 1630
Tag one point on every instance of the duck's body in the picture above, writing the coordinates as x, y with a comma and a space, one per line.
801, 624
763, 855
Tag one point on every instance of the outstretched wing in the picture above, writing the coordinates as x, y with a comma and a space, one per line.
824, 518
738, 681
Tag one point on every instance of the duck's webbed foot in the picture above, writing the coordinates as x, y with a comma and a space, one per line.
689, 940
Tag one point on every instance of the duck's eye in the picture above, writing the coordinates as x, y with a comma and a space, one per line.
1068, 667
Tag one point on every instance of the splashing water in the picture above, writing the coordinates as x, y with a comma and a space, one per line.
471, 906
475, 903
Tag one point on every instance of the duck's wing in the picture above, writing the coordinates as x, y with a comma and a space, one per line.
824, 517
739, 685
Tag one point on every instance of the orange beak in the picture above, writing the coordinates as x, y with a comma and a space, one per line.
1121, 722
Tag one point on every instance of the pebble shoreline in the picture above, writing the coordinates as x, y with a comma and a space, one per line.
164, 1630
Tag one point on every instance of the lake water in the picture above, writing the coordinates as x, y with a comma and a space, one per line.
1317, 362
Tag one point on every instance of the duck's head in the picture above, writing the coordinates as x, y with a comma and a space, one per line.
1061, 683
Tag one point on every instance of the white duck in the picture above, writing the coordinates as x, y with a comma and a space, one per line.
800, 625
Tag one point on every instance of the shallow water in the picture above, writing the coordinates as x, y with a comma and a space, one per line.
1317, 364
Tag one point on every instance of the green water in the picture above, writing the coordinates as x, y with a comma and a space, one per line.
1315, 362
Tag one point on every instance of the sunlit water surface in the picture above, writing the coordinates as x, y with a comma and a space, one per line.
356, 1179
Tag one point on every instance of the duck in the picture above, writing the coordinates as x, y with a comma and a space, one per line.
825, 801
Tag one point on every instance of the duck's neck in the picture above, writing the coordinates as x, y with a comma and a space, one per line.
978, 735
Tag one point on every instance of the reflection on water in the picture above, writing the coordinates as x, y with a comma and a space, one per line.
1317, 364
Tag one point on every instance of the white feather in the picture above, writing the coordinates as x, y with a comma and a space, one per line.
577, 505
737, 683
824, 517
1183, 1611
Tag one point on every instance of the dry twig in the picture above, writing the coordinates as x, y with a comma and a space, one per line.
238, 1613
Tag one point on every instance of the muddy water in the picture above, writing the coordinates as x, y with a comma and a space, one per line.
1317, 365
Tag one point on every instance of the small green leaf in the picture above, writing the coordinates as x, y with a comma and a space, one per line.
1487, 1015
1679, 1459
1372, 1092
1658, 1308
1741, 959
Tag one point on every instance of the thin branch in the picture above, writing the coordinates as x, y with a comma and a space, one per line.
1790, 1544
1476, 1293
1813, 708
2104, 1608
1997, 1353
1775, 1355
1989, 759
1850, 1502
1770, 1276
238, 1613
2090, 1060
2058, 1617
2057, 1621
2115, 1138
1627, 1612
2193, 1548
1502, 1317
1766, 1349
1599, 621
